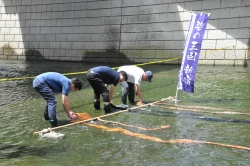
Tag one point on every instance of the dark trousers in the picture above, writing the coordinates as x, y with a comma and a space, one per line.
98, 86
128, 91
47, 93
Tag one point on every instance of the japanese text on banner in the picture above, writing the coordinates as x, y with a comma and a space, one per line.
191, 53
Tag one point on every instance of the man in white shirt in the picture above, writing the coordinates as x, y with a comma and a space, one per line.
135, 75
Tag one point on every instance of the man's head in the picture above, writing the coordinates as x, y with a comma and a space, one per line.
123, 76
147, 76
76, 84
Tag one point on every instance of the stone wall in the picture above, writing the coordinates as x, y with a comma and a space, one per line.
126, 31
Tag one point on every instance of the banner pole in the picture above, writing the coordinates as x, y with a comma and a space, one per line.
176, 94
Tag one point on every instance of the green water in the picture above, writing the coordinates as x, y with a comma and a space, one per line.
220, 88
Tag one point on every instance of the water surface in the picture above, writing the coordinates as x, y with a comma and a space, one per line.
220, 88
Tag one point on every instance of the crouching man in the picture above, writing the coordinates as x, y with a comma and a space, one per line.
101, 76
48, 83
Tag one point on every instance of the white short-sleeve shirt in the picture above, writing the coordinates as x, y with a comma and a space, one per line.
134, 73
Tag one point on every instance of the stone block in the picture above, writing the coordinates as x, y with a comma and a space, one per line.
44, 45
244, 22
45, 30
230, 3
240, 12
66, 45
14, 31
28, 37
112, 20
72, 37
67, 30
36, 16
239, 33
208, 44
30, 23
40, 23
55, 45
78, 45
33, 45
26, 2
179, 35
225, 43
228, 23
5, 31
34, 30
157, 44
76, 59
40, 38
1, 38
61, 37
148, 53
56, 30
211, 4
134, 53
206, 62
57, 15
14, 45
193, 5
242, 44
68, 14
220, 54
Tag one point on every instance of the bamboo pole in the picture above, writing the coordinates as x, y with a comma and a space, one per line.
96, 118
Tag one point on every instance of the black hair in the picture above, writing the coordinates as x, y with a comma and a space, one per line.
77, 82
124, 74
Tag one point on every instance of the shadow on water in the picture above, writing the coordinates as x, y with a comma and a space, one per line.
16, 151
216, 100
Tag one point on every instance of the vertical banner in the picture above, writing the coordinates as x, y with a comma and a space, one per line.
191, 53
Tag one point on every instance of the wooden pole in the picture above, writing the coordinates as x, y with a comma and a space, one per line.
95, 118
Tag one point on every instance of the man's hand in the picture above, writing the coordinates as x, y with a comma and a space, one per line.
72, 115
138, 103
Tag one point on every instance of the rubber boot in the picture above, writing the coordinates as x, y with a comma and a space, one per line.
131, 93
97, 105
107, 108
122, 106
53, 122
46, 115
124, 99
131, 98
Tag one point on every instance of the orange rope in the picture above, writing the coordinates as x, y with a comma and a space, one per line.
151, 138
82, 116
141, 128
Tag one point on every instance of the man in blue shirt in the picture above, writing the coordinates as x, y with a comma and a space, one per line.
48, 83
101, 76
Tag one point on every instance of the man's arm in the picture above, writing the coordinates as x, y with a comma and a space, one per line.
111, 92
65, 102
138, 92
66, 106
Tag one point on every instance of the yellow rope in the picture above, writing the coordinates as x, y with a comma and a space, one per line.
84, 72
